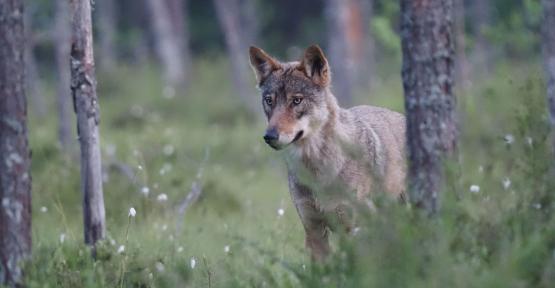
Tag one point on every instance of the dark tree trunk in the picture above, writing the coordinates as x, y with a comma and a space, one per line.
15, 178
105, 9
237, 41
548, 41
32, 79
63, 85
427, 44
167, 45
85, 101
462, 72
481, 20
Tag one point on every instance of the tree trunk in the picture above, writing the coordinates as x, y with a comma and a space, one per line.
167, 45
85, 101
107, 32
548, 41
15, 178
32, 79
481, 19
237, 41
178, 13
62, 50
349, 45
366, 68
427, 45
462, 72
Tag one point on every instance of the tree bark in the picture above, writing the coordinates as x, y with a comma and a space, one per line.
427, 46
15, 178
63, 85
167, 46
107, 32
85, 101
237, 41
548, 43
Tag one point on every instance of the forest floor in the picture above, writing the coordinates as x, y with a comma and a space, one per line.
496, 228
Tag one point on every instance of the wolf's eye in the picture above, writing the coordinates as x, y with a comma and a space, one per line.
268, 100
297, 100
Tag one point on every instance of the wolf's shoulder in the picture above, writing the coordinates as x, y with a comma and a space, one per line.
372, 114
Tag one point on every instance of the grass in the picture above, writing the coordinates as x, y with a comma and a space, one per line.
502, 236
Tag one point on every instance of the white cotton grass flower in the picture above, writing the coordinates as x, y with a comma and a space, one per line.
132, 212
164, 227
168, 150
509, 139
121, 249
43, 209
481, 169
529, 141
162, 197
280, 212
140, 167
193, 262
159, 266
145, 190
474, 188
506, 183
537, 206
179, 249
62, 238
226, 249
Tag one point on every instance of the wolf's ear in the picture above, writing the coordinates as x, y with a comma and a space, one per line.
315, 66
262, 64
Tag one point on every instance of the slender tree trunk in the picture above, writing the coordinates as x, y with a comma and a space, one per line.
350, 45
15, 178
548, 41
481, 18
237, 41
366, 68
62, 50
83, 87
462, 71
427, 45
167, 45
105, 9
179, 11
33, 84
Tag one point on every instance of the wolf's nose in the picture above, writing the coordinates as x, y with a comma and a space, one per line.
271, 135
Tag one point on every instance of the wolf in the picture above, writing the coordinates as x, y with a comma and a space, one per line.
335, 157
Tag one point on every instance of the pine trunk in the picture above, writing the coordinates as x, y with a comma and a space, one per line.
237, 42
15, 178
63, 85
105, 9
85, 101
548, 41
32, 79
167, 45
428, 54
462, 71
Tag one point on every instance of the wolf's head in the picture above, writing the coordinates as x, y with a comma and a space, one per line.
294, 95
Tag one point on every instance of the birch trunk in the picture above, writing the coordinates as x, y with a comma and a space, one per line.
548, 41
15, 178
167, 46
85, 101
237, 41
428, 54
63, 85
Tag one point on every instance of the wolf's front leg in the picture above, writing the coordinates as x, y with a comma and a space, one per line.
313, 219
